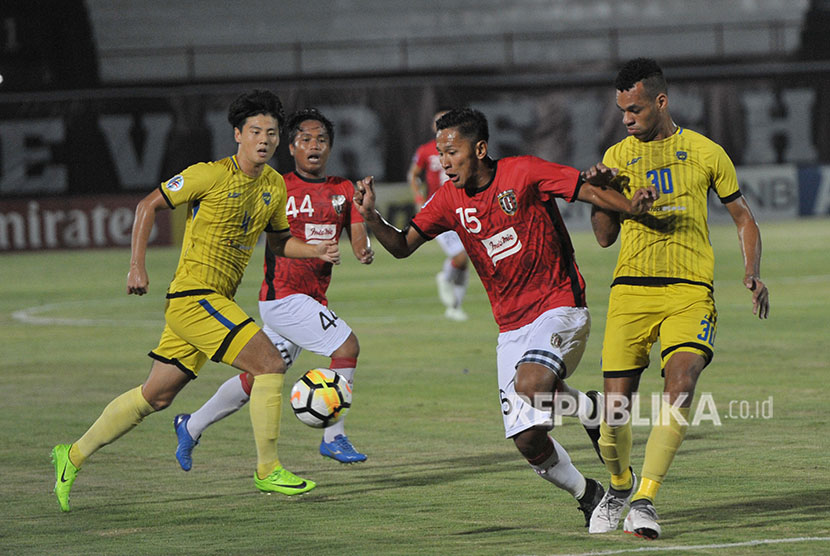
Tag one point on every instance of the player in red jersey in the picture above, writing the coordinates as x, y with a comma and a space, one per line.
292, 299
506, 216
454, 276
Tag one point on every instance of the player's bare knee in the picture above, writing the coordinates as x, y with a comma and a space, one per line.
158, 400
350, 349
532, 442
159, 405
274, 365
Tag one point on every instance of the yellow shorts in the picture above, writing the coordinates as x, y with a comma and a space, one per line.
683, 316
201, 326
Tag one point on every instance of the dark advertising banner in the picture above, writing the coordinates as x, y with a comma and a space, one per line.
117, 142
74, 223
124, 141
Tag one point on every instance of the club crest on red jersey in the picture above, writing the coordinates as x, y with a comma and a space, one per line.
338, 201
508, 203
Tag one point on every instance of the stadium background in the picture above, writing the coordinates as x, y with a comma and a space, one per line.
103, 99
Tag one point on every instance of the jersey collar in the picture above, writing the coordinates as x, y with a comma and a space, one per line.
473, 193
310, 180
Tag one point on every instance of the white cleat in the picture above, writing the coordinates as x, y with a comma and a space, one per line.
456, 314
445, 291
607, 514
642, 521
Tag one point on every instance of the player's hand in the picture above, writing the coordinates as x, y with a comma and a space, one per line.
600, 175
365, 256
643, 199
329, 251
137, 281
364, 198
760, 296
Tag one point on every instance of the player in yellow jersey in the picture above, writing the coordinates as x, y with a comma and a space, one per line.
662, 287
229, 203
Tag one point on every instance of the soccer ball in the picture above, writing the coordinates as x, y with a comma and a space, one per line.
321, 398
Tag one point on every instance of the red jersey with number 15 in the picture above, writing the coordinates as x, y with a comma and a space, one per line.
515, 237
317, 210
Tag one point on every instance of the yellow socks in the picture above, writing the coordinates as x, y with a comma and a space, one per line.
663, 441
119, 417
266, 403
615, 447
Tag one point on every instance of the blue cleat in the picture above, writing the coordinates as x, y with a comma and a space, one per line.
186, 443
341, 449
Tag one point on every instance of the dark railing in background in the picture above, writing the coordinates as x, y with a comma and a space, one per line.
771, 40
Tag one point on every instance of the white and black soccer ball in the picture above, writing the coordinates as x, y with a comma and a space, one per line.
320, 398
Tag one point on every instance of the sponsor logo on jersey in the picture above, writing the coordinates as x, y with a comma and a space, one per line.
338, 202
266, 198
234, 194
236, 245
503, 244
175, 183
508, 203
633, 161
681, 155
315, 233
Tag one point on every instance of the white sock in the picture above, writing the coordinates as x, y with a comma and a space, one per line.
460, 287
458, 278
229, 398
452, 274
339, 427
559, 470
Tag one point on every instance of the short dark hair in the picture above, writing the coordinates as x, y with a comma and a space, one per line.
641, 69
298, 117
471, 123
253, 103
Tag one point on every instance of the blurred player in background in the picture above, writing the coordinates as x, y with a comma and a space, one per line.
663, 284
230, 203
454, 276
506, 216
292, 299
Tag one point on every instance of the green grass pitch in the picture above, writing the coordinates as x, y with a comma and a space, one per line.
441, 478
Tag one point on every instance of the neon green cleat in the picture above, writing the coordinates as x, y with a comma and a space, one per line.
283, 481
65, 473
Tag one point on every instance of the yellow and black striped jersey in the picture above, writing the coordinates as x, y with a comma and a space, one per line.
227, 211
670, 243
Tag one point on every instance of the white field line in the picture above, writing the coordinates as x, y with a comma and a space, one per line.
34, 315
685, 548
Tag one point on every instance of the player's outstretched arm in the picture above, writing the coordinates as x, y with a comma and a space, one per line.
283, 244
606, 225
145, 216
749, 237
398, 243
597, 191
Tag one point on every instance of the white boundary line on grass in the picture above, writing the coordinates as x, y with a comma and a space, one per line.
697, 546
31, 315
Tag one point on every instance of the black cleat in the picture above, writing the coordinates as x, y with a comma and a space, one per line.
591, 429
591, 499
